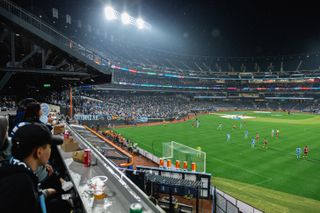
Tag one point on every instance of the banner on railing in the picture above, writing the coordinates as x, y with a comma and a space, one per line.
143, 119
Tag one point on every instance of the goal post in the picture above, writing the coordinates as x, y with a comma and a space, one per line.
177, 151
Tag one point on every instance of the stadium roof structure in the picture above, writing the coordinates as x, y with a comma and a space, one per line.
36, 57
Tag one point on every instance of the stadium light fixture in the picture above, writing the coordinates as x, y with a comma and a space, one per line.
110, 13
140, 23
125, 18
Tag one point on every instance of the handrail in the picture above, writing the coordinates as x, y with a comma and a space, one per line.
115, 146
46, 28
127, 186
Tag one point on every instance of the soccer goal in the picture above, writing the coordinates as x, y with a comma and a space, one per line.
177, 151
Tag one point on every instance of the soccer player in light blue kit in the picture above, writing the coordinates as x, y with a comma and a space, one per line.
253, 142
246, 134
197, 123
228, 137
298, 152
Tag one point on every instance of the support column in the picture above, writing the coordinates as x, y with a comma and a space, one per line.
71, 106
43, 58
8, 75
13, 50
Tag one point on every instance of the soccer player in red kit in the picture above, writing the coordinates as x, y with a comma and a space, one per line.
305, 151
257, 137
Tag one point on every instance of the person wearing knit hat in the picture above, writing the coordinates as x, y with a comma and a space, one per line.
31, 148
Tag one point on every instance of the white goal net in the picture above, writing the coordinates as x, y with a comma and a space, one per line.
177, 151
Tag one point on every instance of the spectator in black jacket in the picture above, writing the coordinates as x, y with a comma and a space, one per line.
20, 112
48, 177
31, 148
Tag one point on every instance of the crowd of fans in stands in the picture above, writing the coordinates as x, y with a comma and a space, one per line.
123, 106
120, 106
7, 103
137, 106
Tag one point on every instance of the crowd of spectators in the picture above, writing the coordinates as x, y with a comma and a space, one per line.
7, 103
57, 99
132, 106
137, 106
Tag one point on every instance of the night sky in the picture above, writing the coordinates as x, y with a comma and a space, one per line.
216, 27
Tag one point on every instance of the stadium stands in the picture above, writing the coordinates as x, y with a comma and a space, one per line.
7, 104
137, 106
134, 106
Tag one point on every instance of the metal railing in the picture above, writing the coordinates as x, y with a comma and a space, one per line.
119, 179
225, 203
36, 22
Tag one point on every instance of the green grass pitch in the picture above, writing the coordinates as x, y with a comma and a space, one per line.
251, 174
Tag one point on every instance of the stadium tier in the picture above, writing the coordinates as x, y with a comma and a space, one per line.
123, 53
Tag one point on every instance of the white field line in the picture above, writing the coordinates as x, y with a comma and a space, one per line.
267, 179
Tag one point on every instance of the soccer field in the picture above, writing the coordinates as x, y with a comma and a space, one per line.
271, 179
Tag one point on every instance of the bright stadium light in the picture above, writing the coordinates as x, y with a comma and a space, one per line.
140, 23
110, 13
125, 18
